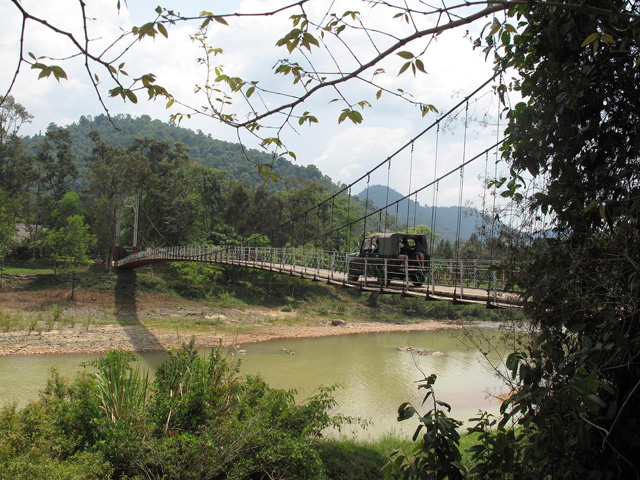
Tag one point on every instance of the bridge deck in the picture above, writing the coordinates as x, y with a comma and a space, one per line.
468, 282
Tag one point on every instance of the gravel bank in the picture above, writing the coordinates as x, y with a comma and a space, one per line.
100, 338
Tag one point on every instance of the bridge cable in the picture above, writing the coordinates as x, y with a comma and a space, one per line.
144, 240
366, 208
403, 147
484, 198
436, 188
386, 211
398, 216
346, 233
410, 177
494, 215
332, 242
152, 224
430, 184
460, 198
317, 227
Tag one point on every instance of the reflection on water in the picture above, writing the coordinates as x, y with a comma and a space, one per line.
375, 377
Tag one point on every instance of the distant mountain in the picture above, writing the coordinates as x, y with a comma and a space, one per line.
218, 154
446, 218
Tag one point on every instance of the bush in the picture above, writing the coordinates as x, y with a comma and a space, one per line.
197, 419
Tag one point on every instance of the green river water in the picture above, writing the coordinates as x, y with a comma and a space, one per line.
375, 378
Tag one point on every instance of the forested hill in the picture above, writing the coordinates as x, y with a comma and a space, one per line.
446, 217
218, 154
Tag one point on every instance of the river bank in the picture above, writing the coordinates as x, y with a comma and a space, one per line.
47, 322
78, 338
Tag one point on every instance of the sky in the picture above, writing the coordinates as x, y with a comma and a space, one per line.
343, 151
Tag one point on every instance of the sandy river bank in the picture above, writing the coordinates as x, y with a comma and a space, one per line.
100, 338
92, 323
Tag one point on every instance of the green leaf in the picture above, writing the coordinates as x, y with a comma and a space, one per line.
58, 72
420, 65
163, 30
46, 72
404, 68
591, 206
406, 55
170, 103
378, 94
221, 20
250, 91
596, 400
405, 411
603, 212
131, 96
494, 29
606, 38
590, 39
309, 39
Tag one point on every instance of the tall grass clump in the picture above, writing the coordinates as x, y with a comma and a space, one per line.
121, 387
8, 321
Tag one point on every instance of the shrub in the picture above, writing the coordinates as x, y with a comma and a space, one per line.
197, 419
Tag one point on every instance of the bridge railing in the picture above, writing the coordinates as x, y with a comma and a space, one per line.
339, 267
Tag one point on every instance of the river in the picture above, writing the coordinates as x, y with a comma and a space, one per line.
374, 376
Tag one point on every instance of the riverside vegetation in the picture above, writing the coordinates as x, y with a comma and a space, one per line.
198, 418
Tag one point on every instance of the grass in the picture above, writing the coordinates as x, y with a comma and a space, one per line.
28, 267
35, 322
348, 459
356, 460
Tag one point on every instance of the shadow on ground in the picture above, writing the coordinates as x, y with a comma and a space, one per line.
126, 313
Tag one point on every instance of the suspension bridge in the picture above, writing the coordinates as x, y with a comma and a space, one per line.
457, 280
470, 281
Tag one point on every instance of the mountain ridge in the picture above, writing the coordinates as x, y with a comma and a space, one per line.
446, 218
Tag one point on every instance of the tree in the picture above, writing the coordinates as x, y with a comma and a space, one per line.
8, 217
70, 204
58, 164
578, 127
111, 177
444, 249
472, 249
16, 169
12, 117
70, 245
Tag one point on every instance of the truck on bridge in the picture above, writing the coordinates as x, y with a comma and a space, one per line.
388, 256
